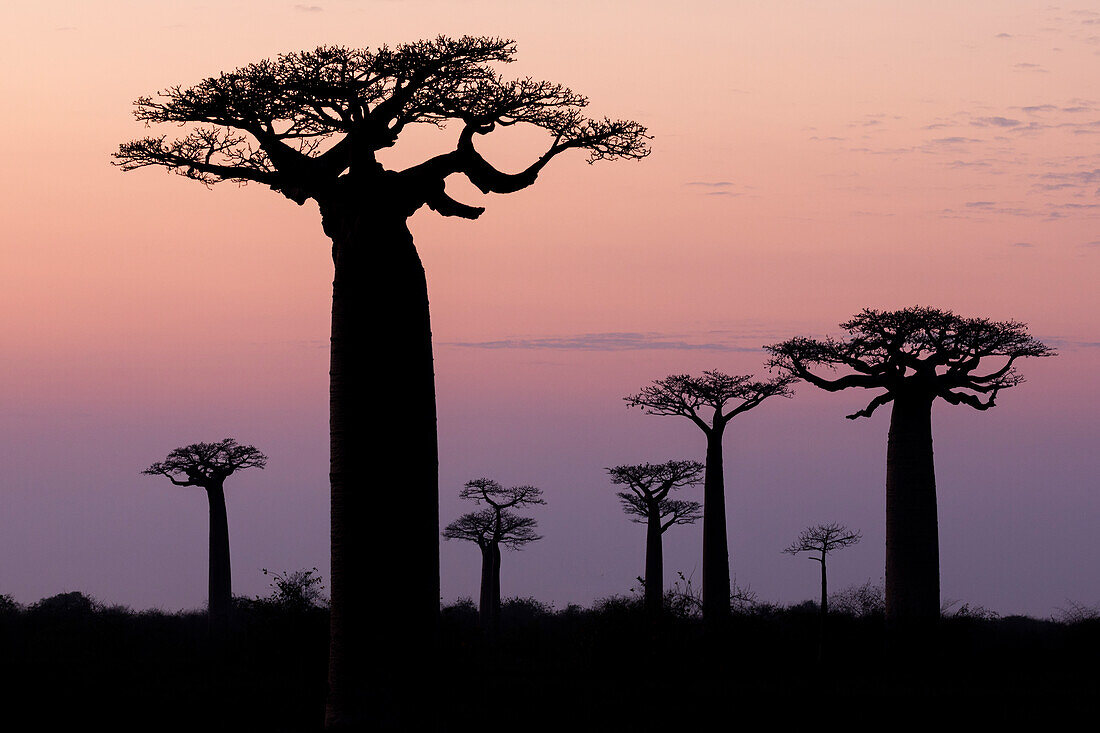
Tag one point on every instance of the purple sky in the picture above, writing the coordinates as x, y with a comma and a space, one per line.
809, 160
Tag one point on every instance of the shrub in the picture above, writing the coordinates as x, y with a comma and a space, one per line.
860, 601
73, 603
296, 591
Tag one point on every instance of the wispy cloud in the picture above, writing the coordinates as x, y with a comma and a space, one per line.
996, 122
612, 341
309, 8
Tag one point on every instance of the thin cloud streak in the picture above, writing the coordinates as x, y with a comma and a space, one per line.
612, 341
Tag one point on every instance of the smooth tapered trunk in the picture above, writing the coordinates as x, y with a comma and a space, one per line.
824, 590
488, 609
912, 528
383, 470
220, 593
485, 602
716, 560
654, 565
824, 615
494, 620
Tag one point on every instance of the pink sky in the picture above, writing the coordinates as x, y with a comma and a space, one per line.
809, 159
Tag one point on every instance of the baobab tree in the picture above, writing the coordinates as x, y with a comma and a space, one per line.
491, 528
914, 356
724, 397
310, 125
646, 501
208, 465
823, 539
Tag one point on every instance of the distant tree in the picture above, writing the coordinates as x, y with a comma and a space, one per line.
311, 125
646, 501
914, 355
491, 528
725, 396
208, 465
823, 539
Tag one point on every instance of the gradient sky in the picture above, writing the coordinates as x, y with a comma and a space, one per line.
809, 159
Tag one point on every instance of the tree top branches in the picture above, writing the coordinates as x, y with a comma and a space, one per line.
824, 538
685, 395
648, 487
207, 464
487, 527
488, 491
915, 350
310, 122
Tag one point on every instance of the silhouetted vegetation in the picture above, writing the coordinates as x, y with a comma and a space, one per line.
823, 539
915, 356
646, 501
208, 465
491, 528
687, 396
109, 665
309, 125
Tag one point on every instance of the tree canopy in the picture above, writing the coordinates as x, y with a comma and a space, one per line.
648, 488
824, 538
309, 121
488, 491
685, 395
916, 348
487, 527
203, 464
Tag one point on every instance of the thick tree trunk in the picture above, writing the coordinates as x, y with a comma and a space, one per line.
485, 603
716, 560
912, 529
383, 472
654, 566
495, 620
220, 594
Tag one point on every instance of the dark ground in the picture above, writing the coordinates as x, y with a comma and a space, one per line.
69, 664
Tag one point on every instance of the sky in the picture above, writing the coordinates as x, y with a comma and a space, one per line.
809, 160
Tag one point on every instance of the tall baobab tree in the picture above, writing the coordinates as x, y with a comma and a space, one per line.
724, 397
646, 501
914, 356
208, 465
310, 125
491, 528
823, 539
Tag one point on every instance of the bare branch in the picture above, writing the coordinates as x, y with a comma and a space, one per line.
823, 539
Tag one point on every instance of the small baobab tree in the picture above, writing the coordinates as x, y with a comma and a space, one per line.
310, 125
208, 465
823, 539
914, 356
646, 501
711, 401
491, 528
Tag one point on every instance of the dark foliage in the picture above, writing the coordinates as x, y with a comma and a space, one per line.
578, 667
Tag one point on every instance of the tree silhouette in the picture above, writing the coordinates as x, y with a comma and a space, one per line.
208, 465
823, 539
915, 355
647, 502
310, 125
725, 396
495, 526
